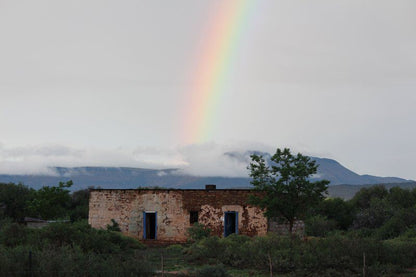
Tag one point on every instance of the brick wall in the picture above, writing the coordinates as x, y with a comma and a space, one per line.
173, 208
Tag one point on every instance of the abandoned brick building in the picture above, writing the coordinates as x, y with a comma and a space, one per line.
166, 214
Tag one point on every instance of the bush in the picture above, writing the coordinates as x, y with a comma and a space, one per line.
408, 235
278, 249
65, 249
212, 271
397, 224
207, 250
236, 251
13, 234
335, 255
115, 227
175, 249
338, 210
198, 232
70, 261
400, 253
319, 226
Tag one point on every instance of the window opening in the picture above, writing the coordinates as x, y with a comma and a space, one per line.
193, 217
230, 223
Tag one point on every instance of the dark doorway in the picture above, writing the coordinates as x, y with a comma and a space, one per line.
230, 223
150, 225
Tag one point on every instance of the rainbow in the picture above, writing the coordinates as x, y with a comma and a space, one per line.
214, 65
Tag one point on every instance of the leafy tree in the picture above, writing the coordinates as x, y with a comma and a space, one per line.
51, 202
286, 190
362, 199
342, 212
79, 204
373, 216
13, 199
401, 198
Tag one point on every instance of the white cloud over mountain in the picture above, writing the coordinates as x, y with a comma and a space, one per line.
210, 159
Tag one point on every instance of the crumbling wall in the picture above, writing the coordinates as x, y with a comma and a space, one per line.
127, 207
173, 208
212, 204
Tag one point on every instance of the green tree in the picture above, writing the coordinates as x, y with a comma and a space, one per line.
286, 190
51, 202
362, 199
80, 204
13, 200
401, 198
342, 212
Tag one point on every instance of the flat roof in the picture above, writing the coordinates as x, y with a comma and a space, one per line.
175, 189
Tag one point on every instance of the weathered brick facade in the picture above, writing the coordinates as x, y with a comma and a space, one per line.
172, 209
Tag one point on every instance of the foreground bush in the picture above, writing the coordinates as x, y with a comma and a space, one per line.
336, 255
68, 261
65, 249
198, 232
212, 271
319, 226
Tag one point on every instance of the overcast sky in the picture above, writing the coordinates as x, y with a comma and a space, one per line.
97, 82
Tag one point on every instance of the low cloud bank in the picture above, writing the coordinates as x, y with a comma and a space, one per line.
210, 159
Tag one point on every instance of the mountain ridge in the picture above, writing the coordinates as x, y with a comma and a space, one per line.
130, 177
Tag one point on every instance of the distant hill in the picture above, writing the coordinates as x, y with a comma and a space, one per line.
336, 173
348, 191
125, 177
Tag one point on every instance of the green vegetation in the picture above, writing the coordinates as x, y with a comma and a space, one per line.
65, 249
377, 223
70, 248
48, 203
335, 255
197, 232
286, 190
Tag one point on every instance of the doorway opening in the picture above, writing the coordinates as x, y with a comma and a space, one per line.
230, 223
150, 225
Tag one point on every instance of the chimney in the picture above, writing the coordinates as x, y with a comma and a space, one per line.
210, 187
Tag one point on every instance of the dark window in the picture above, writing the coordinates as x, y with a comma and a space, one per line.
193, 217
230, 223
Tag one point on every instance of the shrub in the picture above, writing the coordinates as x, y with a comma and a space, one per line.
400, 253
115, 227
335, 255
319, 226
197, 232
409, 234
278, 249
236, 252
212, 271
207, 250
176, 249
13, 234
336, 209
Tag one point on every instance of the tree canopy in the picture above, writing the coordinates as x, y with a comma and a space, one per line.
287, 191
51, 202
